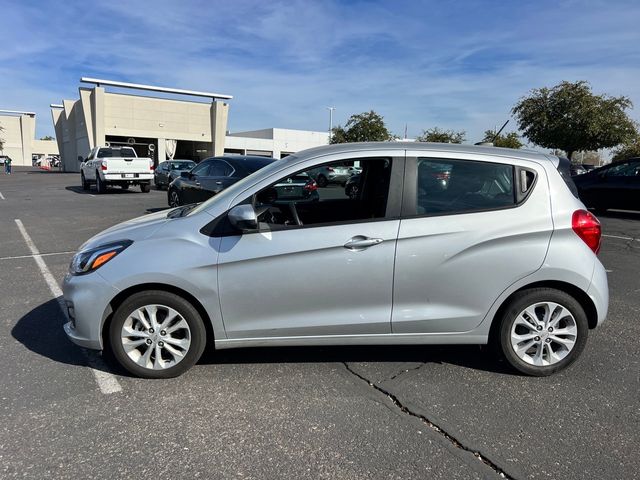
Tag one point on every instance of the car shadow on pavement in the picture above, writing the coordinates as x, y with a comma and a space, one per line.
469, 356
41, 331
92, 191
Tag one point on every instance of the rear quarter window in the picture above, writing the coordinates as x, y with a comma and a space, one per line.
564, 169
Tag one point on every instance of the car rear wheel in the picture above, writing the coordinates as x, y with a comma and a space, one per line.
85, 184
542, 331
145, 187
174, 198
157, 334
322, 181
101, 186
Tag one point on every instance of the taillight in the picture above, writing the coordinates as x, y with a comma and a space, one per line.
311, 186
587, 227
103, 165
151, 165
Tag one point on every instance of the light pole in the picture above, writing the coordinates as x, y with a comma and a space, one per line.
331, 109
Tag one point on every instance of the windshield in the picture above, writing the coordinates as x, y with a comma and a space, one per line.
182, 165
239, 186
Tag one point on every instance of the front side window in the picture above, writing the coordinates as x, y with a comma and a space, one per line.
352, 191
201, 169
220, 169
458, 186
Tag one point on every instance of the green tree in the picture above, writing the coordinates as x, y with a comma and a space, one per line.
507, 140
363, 127
627, 150
571, 118
441, 136
48, 137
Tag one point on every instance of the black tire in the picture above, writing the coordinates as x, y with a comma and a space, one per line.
322, 181
145, 187
157, 297
174, 199
517, 305
101, 186
157, 184
85, 184
125, 186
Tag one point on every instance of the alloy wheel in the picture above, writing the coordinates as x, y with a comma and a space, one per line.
544, 333
155, 337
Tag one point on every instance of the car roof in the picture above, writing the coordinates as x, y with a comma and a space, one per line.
423, 146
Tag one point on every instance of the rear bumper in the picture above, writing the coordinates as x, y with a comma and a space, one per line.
123, 177
598, 291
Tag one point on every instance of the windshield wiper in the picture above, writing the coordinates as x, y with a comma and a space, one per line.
181, 211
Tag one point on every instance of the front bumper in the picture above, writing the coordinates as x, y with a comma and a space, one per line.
87, 298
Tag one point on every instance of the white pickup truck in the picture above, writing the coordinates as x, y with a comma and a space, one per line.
115, 166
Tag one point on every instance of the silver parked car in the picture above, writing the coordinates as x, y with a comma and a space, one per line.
503, 252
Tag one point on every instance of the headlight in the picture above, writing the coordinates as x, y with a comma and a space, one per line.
87, 261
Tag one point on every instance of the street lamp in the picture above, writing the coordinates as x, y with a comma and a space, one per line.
331, 109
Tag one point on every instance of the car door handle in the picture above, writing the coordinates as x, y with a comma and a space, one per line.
361, 242
218, 183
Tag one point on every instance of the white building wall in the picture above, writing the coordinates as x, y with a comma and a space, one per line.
19, 139
278, 141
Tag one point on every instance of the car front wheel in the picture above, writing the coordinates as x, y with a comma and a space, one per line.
85, 184
174, 198
542, 331
157, 334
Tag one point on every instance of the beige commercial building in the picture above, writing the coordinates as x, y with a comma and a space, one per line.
162, 127
151, 125
19, 138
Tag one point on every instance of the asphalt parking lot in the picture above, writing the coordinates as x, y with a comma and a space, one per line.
369, 412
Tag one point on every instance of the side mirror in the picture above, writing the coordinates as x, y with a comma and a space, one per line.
243, 217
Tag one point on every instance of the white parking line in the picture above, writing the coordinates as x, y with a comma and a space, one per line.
106, 381
2, 196
621, 238
31, 256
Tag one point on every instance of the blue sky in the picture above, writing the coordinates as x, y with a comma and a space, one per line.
459, 65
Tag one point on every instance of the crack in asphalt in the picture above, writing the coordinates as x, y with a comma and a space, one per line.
453, 440
407, 370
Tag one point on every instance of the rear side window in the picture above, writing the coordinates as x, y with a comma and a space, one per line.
459, 186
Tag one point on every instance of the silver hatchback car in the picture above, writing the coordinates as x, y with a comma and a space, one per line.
503, 253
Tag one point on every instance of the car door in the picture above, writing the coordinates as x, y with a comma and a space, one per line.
88, 167
190, 183
219, 176
470, 228
332, 275
618, 186
162, 173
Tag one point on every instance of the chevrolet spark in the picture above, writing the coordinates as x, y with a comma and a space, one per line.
500, 251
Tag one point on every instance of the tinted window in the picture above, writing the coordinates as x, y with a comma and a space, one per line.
116, 152
300, 196
220, 169
201, 169
182, 165
255, 164
626, 169
456, 186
